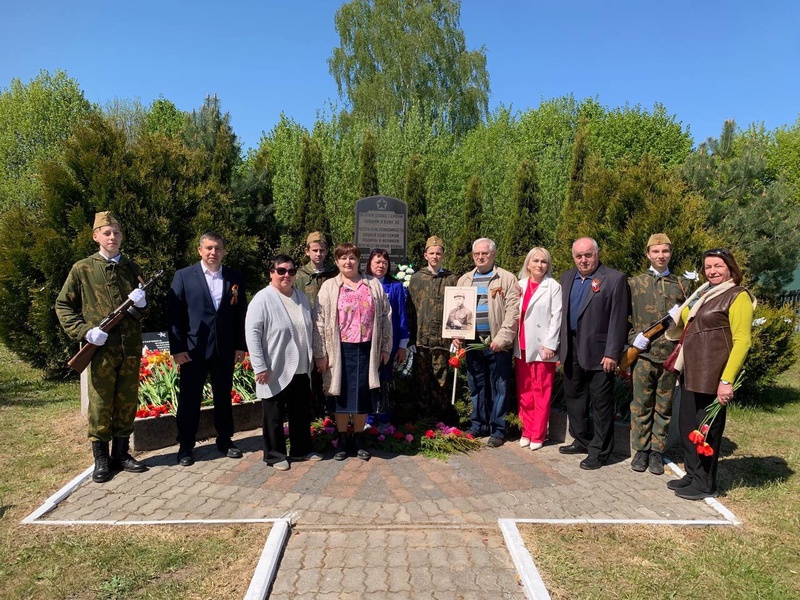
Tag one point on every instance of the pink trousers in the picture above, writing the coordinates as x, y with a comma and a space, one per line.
534, 389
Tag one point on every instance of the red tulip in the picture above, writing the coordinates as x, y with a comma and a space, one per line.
455, 362
429, 433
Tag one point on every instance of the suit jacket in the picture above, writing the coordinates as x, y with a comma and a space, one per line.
195, 326
603, 319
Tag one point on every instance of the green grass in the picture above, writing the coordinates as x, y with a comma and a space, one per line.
758, 472
43, 446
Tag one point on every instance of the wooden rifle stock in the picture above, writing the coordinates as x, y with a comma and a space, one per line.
651, 333
83, 357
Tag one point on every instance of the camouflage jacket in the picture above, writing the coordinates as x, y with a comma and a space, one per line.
425, 307
309, 282
651, 298
94, 288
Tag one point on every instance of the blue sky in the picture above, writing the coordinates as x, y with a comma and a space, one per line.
706, 61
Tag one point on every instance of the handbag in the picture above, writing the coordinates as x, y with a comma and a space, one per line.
669, 364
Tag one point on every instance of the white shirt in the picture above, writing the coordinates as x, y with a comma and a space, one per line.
215, 284
664, 274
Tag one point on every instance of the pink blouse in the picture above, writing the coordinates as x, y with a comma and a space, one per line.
356, 313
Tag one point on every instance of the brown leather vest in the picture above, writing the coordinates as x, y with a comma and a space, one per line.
708, 343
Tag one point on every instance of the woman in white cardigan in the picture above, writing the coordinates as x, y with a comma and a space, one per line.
279, 332
354, 327
536, 345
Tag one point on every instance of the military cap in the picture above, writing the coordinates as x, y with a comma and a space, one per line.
658, 238
458, 294
434, 240
104, 219
315, 236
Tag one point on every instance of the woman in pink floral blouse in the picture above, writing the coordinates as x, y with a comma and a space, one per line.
355, 339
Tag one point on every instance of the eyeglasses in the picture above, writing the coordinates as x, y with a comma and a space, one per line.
717, 252
283, 271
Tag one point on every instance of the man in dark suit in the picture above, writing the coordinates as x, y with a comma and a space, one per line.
206, 311
594, 328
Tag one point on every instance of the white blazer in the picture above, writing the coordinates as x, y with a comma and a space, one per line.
542, 320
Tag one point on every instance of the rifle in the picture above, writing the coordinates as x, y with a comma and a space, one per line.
84, 356
653, 332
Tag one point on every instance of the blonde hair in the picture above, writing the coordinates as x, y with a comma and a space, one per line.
523, 272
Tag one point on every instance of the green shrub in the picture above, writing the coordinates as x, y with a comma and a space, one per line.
773, 351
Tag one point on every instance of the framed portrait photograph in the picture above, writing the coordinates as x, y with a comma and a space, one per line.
458, 319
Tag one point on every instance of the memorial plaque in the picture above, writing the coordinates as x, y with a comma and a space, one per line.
155, 340
382, 222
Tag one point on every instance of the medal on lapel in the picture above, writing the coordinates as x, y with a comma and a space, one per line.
234, 294
595, 285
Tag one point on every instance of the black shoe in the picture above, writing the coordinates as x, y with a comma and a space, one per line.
341, 447
692, 493
656, 463
591, 464
573, 448
228, 448
102, 470
495, 442
639, 462
121, 458
676, 484
361, 452
185, 458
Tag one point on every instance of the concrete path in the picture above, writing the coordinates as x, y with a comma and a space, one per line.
407, 525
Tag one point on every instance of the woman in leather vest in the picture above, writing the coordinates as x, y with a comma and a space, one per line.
715, 323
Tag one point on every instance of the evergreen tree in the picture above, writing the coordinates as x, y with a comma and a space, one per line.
368, 163
459, 255
524, 231
754, 214
309, 214
417, 202
569, 225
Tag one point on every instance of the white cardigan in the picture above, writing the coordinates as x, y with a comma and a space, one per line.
270, 339
542, 320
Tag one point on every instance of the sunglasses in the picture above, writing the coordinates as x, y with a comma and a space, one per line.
283, 271
717, 252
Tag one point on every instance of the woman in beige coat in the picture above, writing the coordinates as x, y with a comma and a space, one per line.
355, 338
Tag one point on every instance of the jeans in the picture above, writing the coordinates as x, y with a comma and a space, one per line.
487, 376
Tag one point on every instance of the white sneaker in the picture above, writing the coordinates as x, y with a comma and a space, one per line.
536, 445
281, 466
313, 456
523, 441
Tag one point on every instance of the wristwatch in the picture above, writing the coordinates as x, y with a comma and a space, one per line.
723, 382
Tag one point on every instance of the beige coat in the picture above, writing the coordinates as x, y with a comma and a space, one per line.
328, 343
503, 305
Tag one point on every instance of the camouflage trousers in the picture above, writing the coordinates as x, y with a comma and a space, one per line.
113, 393
651, 405
430, 371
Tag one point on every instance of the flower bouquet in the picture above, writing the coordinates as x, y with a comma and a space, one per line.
404, 273
699, 435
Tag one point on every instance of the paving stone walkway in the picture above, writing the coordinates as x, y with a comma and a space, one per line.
406, 525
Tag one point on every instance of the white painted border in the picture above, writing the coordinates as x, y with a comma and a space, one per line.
712, 502
532, 582
267, 566
54, 500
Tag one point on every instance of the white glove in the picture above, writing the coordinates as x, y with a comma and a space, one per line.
674, 312
96, 336
641, 342
138, 298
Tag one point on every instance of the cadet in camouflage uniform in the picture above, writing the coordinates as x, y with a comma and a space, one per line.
425, 313
309, 279
653, 294
95, 287
312, 275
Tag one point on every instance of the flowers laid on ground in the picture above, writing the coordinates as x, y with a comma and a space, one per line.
404, 273
698, 436
437, 440
159, 385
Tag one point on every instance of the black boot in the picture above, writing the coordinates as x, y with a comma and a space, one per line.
341, 447
121, 459
101, 470
362, 453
